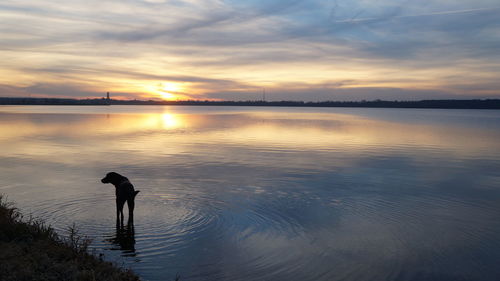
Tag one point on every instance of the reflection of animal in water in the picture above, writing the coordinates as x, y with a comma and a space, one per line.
124, 238
124, 192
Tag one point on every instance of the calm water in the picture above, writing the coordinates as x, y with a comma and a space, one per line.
267, 193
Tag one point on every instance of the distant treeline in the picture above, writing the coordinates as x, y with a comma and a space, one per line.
457, 104
51, 101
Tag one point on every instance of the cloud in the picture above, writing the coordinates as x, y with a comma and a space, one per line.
62, 90
217, 46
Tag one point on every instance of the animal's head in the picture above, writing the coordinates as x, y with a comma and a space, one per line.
113, 178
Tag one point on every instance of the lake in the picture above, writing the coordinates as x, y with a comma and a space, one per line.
261, 193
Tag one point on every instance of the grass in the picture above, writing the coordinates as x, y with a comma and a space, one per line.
32, 250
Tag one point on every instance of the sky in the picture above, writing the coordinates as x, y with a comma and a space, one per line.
313, 50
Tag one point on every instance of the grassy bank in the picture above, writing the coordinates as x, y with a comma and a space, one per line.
31, 250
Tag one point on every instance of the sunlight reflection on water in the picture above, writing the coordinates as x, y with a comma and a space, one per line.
267, 193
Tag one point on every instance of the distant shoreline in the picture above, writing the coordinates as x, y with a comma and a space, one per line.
437, 104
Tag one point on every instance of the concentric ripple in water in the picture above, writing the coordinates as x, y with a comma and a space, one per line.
264, 194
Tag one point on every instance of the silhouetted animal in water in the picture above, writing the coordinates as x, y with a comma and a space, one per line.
124, 192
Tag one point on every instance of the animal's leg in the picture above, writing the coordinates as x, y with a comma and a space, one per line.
119, 211
131, 205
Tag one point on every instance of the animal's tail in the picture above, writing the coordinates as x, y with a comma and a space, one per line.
135, 192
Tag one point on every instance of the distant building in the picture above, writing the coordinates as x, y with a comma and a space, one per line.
107, 95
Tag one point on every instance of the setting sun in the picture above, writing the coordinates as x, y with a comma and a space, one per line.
167, 96
166, 91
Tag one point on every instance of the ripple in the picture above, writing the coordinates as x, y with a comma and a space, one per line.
269, 237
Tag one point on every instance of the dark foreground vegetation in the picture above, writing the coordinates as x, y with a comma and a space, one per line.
31, 250
446, 104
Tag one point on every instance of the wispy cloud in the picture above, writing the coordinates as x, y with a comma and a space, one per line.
355, 19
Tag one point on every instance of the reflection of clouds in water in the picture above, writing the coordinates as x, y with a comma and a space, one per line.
273, 131
371, 233
257, 189
155, 132
244, 195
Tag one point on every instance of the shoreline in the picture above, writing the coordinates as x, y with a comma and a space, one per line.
428, 104
32, 250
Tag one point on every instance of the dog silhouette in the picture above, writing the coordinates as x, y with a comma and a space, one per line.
125, 192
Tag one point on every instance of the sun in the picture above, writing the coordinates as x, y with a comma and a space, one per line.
167, 96
168, 91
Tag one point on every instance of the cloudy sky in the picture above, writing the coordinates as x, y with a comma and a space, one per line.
232, 50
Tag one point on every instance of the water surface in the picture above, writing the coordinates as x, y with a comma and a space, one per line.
249, 193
